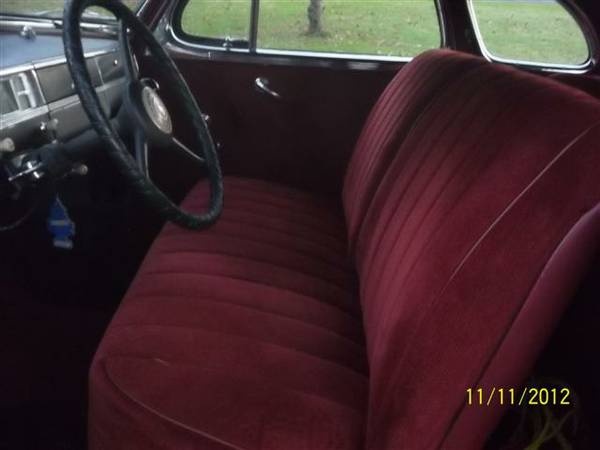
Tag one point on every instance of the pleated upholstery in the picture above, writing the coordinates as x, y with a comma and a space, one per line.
482, 190
403, 101
262, 333
224, 332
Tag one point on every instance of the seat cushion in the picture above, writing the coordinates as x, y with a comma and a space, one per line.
247, 335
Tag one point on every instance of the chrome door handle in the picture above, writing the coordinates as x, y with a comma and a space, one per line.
262, 85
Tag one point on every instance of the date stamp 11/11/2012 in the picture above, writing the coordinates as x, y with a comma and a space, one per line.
526, 396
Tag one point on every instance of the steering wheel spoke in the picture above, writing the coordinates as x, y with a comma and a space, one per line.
186, 151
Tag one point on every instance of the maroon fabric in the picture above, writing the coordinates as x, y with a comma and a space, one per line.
244, 336
248, 335
480, 193
305, 140
585, 83
392, 117
556, 285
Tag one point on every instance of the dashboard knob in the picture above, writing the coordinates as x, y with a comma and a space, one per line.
51, 125
7, 145
80, 169
27, 32
50, 128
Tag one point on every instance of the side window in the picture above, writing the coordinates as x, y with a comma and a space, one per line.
533, 31
371, 27
387, 28
217, 20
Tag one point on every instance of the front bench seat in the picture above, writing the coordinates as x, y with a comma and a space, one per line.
274, 330
224, 332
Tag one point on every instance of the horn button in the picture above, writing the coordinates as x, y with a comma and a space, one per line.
144, 108
156, 110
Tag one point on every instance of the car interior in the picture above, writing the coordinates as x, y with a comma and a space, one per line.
303, 224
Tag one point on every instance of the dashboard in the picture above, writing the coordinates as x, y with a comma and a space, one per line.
38, 103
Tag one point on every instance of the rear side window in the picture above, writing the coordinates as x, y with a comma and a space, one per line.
388, 28
530, 31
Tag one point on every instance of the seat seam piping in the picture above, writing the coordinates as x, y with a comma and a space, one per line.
253, 259
279, 387
139, 299
250, 340
258, 283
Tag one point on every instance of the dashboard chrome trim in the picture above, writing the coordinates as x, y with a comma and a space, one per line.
38, 85
50, 62
35, 95
53, 25
16, 69
18, 23
9, 120
44, 108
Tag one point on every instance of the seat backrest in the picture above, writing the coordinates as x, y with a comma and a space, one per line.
485, 183
586, 83
404, 99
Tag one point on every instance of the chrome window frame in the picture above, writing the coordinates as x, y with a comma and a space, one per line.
587, 30
361, 61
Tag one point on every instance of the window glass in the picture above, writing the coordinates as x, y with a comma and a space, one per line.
371, 27
537, 31
217, 19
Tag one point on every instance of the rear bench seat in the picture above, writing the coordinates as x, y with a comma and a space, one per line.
470, 213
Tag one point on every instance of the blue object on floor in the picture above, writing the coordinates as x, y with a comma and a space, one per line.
61, 226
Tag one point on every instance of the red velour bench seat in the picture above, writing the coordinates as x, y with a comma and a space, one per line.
299, 323
223, 334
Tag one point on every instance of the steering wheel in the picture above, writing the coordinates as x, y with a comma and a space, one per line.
143, 111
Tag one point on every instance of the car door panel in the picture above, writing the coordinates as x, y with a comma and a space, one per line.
305, 137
